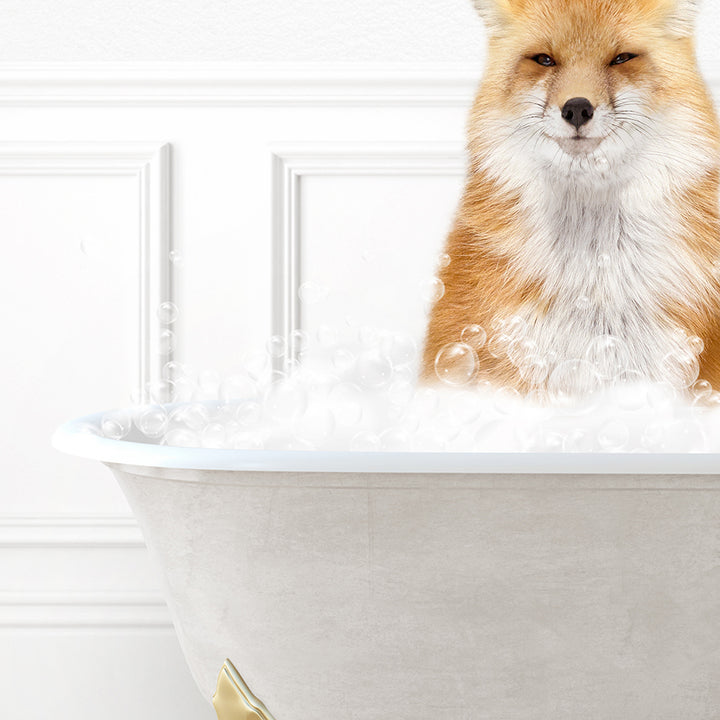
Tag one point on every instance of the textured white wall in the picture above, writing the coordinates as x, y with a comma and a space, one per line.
44, 623
323, 31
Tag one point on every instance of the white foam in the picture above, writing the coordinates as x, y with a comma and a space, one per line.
361, 394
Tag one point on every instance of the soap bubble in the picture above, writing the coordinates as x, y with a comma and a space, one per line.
238, 387
116, 424
193, 416
208, 385
343, 360
544, 440
444, 260
425, 401
701, 390
395, 439
152, 421
613, 436
179, 437
183, 389
88, 428
474, 336
161, 391
167, 313
246, 441
248, 413
654, 437
374, 369
326, 336
433, 291
312, 293
583, 302
498, 345
276, 346
94, 246
286, 399
347, 404
631, 391
173, 370
695, 344
401, 391
661, 395
298, 341
534, 370
166, 342
610, 356
506, 400
456, 364
466, 407
213, 435
520, 349
578, 440
176, 258
680, 368
365, 441
571, 381
368, 336
712, 401
316, 425
400, 349
256, 364
686, 435
515, 327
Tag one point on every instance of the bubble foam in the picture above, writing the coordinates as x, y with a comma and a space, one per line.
361, 393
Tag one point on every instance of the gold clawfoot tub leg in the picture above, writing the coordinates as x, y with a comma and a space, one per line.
233, 700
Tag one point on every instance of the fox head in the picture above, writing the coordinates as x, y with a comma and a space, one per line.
586, 87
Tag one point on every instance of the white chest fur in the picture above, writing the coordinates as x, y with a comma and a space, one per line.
610, 263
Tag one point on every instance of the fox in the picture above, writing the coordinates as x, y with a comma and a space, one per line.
588, 231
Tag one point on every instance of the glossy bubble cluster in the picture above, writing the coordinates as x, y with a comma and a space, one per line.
358, 390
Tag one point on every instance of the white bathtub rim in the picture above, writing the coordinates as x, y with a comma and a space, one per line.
72, 438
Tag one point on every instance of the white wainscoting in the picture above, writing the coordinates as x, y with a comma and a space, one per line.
149, 165
292, 164
277, 174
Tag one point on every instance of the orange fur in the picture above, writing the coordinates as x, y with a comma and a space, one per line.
491, 226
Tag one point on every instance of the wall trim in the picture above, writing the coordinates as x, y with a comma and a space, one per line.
76, 609
68, 531
149, 163
291, 163
237, 84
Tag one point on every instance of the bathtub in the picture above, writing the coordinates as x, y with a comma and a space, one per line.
416, 586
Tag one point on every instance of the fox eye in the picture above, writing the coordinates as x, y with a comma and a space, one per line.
623, 58
544, 60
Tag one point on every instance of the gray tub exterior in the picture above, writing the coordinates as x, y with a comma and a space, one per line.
358, 596
359, 586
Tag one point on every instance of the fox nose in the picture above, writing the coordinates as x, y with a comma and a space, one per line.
578, 111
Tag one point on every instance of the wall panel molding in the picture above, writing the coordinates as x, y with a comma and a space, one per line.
149, 164
41, 542
291, 163
76, 610
238, 84
70, 531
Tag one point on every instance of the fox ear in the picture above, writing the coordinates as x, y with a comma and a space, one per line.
493, 12
681, 18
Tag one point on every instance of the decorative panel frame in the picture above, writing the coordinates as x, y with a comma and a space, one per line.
149, 164
291, 163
